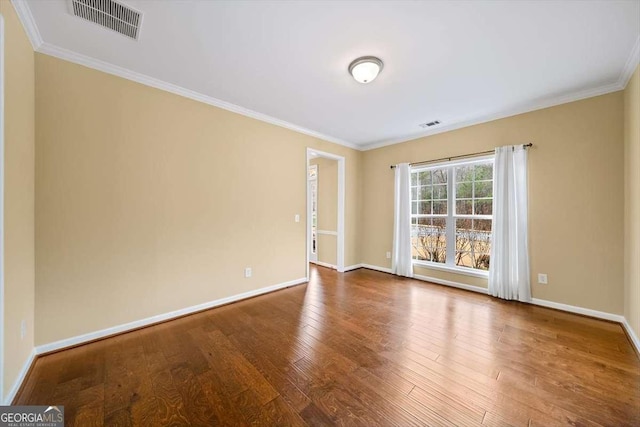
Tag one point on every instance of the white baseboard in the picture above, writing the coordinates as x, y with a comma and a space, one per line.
21, 377
367, 266
69, 342
352, 267
634, 338
450, 283
535, 301
92, 336
376, 268
324, 264
578, 310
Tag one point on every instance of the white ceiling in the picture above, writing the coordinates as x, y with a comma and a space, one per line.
286, 62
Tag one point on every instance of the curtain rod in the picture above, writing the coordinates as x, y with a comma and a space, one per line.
460, 157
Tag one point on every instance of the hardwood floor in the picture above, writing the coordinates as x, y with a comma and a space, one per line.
360, 348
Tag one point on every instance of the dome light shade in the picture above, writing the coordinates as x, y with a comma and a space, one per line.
365, 69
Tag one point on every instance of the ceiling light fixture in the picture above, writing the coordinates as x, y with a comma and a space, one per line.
365, 69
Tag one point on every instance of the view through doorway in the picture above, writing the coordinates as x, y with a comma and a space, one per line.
325, 209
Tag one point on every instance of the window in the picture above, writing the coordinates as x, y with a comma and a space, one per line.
429, 207
451, 211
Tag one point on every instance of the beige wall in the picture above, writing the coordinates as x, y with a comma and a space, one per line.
328, 249
19, 195
148, 202
575, 193
632, 201
327, 209
140, 191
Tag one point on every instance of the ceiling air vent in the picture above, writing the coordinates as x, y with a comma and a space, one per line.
110, 14
429, 124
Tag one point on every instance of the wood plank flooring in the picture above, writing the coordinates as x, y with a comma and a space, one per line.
361, 348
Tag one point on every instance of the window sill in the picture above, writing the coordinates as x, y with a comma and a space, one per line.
456, 270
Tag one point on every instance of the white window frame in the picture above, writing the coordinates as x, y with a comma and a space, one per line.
450, 231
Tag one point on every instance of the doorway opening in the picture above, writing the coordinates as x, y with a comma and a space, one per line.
313, 194
325, 209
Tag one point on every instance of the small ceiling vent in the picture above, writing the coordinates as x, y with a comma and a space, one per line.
110, 14
429, 124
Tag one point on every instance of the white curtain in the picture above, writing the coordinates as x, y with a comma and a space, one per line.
401, 256
509, 271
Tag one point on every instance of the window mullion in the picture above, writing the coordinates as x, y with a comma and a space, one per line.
451, 226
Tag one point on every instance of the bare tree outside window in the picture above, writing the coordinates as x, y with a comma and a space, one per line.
428, 237
473, 210
429, 203
465, 232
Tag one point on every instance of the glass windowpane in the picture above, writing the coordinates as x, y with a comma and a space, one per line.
440, 176
473, 243
426, 193
424, 178
473, 196
483, 207
440, 207
482, 225
464, 190
464, 173
440, 192
428, 239
483, 189
483, 171
464, 207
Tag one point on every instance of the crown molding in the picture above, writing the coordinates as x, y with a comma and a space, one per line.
631, 64
96, 64
480, 118
25, 16
29, 24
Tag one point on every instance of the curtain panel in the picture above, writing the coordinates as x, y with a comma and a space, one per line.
509, 276
401, 255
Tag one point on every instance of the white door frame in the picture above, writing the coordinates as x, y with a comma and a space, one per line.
341, 205
2, 346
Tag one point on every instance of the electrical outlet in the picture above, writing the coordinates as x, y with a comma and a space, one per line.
247, 272
388, 255
23, 329
542, 279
